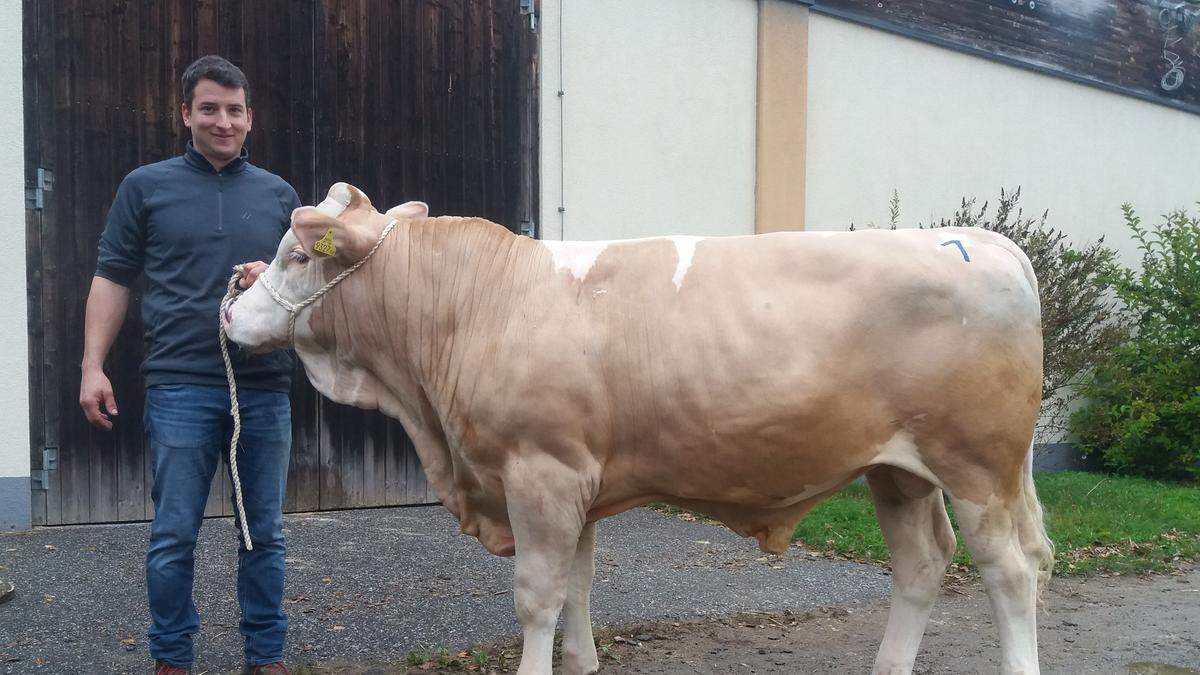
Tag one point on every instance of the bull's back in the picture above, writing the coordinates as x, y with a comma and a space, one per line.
776, 363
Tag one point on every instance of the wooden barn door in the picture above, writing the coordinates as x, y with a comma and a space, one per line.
408, 99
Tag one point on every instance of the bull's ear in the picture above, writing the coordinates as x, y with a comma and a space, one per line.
358, 198
324, 236
342, 197
409, 210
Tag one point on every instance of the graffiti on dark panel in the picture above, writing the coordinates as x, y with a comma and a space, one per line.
1144, 48
1176, 20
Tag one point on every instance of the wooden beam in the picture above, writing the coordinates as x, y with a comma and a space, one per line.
782, 114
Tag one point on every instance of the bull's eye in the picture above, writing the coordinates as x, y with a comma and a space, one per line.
298, 255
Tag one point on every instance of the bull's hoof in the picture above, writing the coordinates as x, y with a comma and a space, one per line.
580, 664
581, 669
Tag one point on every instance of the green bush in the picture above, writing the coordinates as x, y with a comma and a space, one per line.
1143, 403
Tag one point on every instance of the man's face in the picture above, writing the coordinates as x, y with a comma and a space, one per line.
219, 120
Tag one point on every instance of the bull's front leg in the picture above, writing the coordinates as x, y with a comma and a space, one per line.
579, 647
547, 515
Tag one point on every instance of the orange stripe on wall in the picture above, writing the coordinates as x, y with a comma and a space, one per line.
782, 105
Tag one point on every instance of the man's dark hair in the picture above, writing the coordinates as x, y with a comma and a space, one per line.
217, 69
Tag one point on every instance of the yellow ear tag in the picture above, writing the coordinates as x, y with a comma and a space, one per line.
325, 245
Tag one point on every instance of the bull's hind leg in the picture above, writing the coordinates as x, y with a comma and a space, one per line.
992, 532
913, 519
546, 511
578, 646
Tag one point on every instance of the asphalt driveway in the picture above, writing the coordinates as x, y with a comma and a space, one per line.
378, 584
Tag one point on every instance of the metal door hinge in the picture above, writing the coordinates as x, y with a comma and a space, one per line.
527, 8
35, 197
41, 477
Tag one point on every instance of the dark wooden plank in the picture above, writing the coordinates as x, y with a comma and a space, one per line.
333, 495
51, 89
526, 161
167, 36
476, 45
208, 32
1144, 48
33, 74
74, 455
416, 488
502, 94
395, 469
131, 106
304, 477
374, 474
304, 473
96, 122
276, 54
455, 84
336, 117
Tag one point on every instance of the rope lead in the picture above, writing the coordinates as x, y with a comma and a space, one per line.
231, 292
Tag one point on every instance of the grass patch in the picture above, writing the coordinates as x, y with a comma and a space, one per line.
1098, 524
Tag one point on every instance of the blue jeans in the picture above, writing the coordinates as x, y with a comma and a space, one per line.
190, 427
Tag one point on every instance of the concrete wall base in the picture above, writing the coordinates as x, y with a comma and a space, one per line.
14, 504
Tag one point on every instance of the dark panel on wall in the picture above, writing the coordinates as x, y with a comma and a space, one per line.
415, 99
1144, 48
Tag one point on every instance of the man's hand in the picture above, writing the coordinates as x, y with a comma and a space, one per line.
106, 306
96, 399
251, 270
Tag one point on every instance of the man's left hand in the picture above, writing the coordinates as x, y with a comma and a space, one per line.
250, 272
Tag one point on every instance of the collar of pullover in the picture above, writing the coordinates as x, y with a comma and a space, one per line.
193, 157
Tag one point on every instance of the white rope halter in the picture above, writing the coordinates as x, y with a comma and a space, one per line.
232, 291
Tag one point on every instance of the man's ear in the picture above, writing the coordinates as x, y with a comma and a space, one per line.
324, 236
409, 210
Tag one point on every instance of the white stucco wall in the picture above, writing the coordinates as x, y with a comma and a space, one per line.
657, 119
14, 352
887, 112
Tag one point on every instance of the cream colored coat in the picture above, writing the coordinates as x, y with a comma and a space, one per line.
546, 385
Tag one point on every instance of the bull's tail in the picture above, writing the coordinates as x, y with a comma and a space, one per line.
1035, 542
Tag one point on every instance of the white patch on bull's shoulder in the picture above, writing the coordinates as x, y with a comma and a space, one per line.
579, 256
336, 202
685, 250
575, 256
901, 451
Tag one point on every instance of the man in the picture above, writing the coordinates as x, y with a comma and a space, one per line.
184, 223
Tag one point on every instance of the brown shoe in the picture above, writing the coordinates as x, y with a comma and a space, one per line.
276, 668
164, 668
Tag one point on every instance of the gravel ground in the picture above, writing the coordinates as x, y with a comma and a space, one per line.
374, 585
1094, 626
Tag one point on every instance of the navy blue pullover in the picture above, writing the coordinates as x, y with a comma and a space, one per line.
185, 225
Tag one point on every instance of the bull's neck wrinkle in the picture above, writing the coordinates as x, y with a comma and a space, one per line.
461, 286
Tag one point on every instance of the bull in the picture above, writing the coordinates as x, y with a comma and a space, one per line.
546, 385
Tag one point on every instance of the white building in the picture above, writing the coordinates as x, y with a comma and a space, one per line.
730, 117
